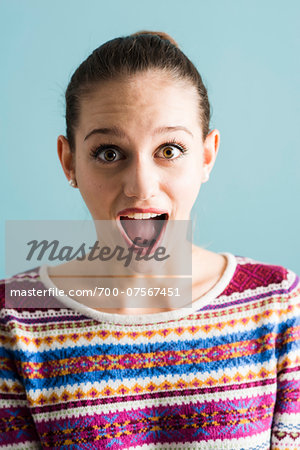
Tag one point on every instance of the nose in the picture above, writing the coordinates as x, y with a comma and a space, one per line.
141, 179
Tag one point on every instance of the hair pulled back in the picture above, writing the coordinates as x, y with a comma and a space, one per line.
125, 56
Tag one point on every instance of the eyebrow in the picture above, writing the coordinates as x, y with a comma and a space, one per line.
118, 132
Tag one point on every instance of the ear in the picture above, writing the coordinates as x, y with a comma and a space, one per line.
210, 151
66, 157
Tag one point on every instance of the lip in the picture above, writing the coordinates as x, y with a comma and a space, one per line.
126, 211
136, 249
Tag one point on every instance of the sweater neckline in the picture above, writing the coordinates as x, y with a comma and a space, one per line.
143, 319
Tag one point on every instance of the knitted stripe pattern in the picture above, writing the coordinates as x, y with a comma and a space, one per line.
226, 376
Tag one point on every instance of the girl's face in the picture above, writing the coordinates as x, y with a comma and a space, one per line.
139, 145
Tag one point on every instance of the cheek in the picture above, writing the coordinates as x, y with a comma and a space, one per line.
93, 186
189, 195
96, 188
98, 194
187, 186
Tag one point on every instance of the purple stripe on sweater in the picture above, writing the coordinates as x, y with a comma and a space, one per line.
288, 397
290, 370
17, 426
12, 396
54, 319
163, 424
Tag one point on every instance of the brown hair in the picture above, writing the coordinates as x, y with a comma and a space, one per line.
129, 55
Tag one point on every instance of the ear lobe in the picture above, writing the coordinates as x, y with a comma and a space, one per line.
66, 156
205, 176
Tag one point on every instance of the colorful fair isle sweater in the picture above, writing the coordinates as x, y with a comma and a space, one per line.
223, 374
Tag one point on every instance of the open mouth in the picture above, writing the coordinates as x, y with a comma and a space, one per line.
143, 232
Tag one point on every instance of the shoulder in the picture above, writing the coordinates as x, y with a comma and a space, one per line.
270, 286
254, 274
20, 281
25, 291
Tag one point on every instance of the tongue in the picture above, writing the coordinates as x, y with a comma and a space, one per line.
147, 229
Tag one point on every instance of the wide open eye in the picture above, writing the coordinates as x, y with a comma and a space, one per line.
106, 154
172, 151
168, 152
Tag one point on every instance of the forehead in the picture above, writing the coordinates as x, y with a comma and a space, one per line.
144, 98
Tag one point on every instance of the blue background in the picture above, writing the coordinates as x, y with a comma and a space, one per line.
248, 55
